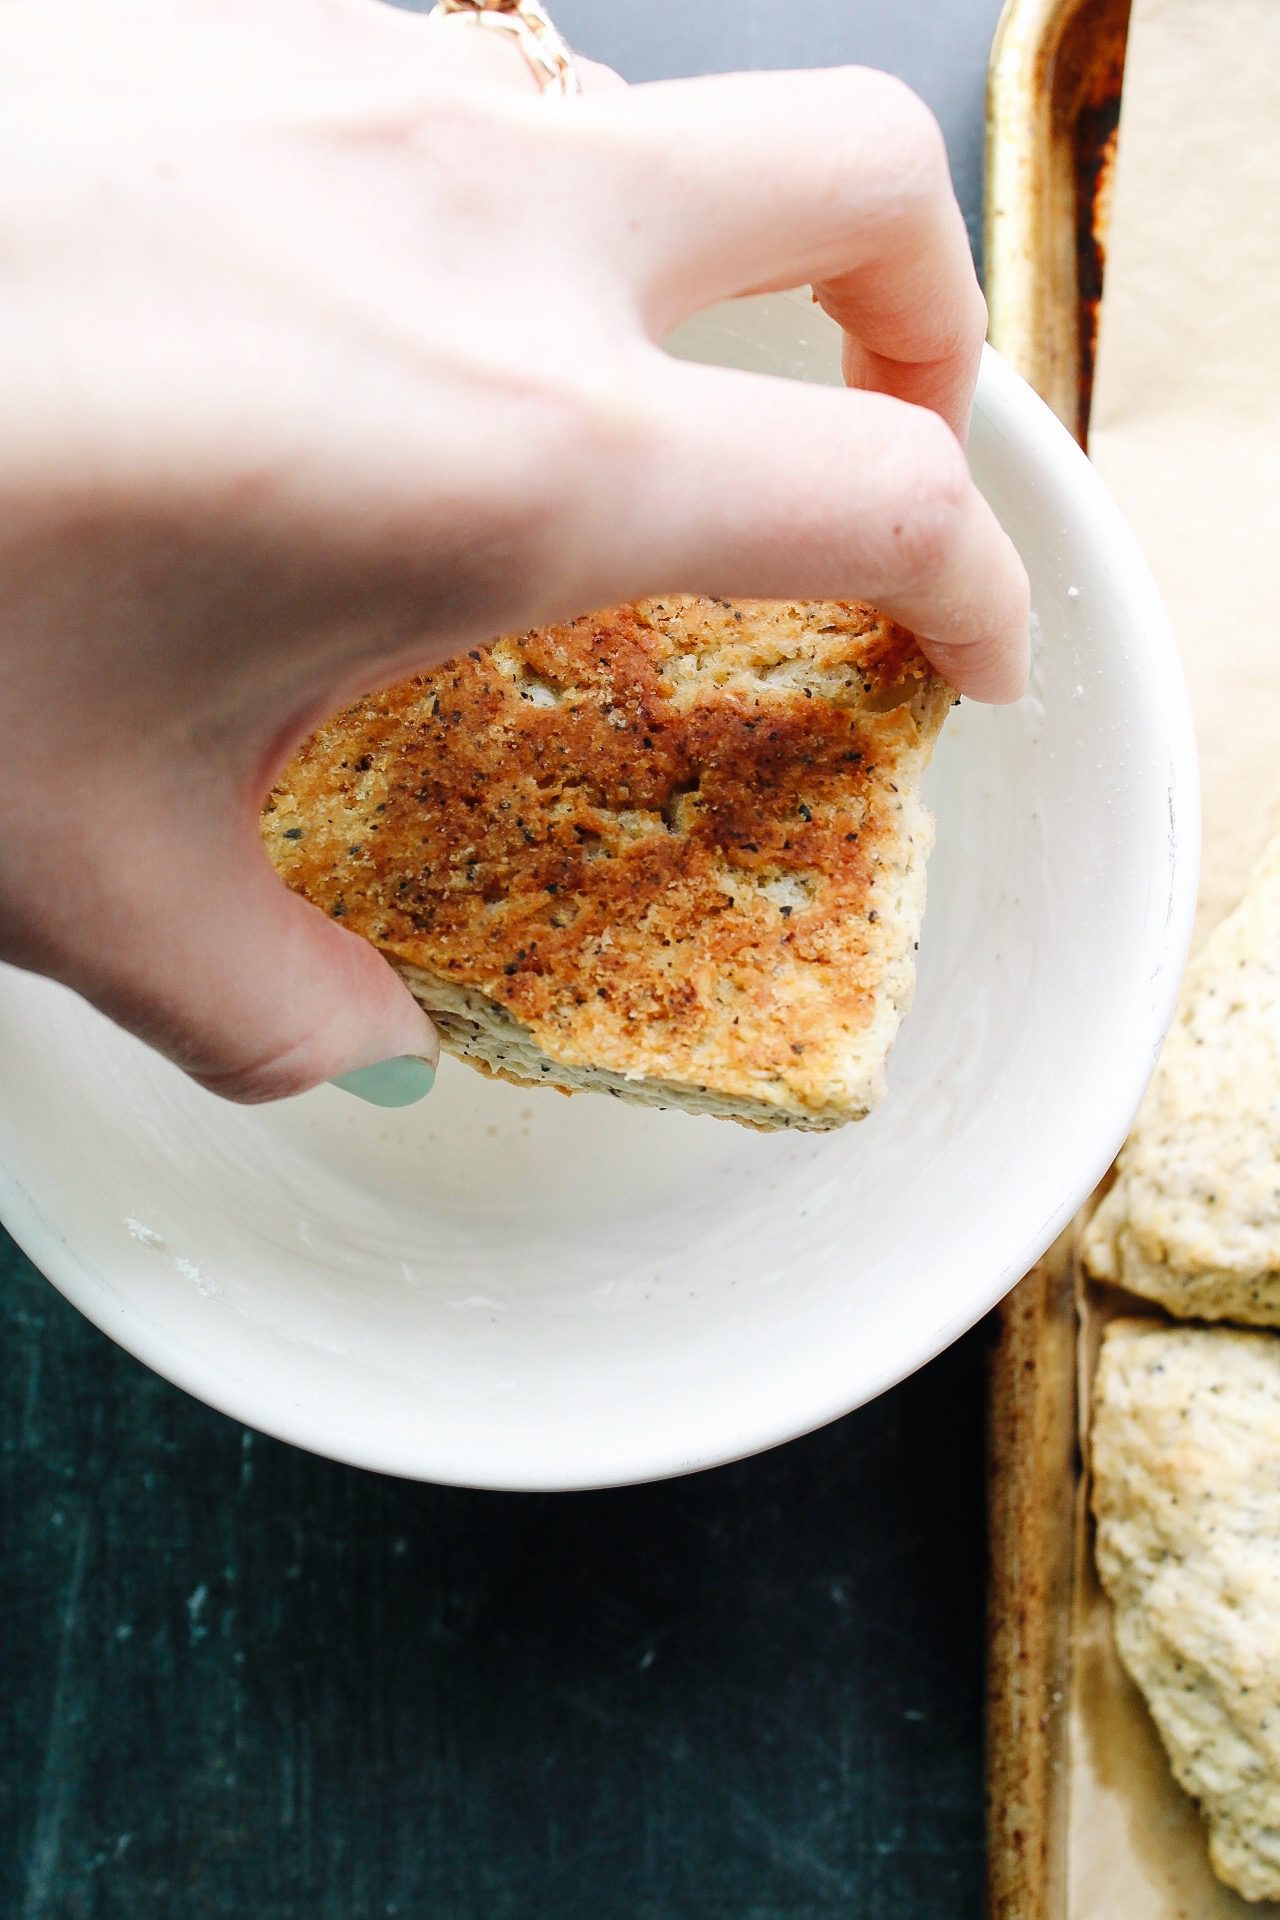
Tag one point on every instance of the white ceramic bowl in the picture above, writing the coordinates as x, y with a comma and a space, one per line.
510, 1289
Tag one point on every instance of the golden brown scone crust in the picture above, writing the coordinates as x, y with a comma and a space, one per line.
677, 845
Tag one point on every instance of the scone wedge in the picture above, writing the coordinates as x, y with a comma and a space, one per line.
1193, 1219
1186, 1492
673, 852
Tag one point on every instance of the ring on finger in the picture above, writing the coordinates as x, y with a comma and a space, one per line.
528, 23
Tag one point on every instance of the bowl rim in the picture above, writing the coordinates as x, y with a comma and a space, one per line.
1013, 411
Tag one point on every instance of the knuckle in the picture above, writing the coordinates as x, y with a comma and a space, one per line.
939, 471
576, 423
885, 170
583, 426
932, 488
908, 138
870, 137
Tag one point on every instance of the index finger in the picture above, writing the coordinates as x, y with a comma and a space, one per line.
836, 178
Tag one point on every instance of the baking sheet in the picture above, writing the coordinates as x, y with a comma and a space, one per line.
1053, 105
1185, 425
1186, 430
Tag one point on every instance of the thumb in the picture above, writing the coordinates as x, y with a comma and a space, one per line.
250, 989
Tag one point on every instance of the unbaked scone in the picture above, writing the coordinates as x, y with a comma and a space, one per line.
1186, 1492
673, 852
1193, 1219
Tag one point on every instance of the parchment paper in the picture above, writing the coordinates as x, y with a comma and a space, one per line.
1186, 430
1186, 411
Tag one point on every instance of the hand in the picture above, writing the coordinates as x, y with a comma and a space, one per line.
332, 346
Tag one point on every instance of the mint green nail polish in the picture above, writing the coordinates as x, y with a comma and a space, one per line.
390, 1083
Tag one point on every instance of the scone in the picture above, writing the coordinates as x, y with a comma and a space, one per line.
1186, 1491
1193, 1219
674, 852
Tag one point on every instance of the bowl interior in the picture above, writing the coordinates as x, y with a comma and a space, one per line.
514, 1289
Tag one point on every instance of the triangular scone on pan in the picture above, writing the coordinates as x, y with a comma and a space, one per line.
1185, 1455
1193, 1219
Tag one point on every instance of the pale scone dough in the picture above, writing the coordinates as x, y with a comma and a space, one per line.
1193, 1219
1186, 1493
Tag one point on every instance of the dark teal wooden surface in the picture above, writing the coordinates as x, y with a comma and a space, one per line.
243, 1683
240, 1683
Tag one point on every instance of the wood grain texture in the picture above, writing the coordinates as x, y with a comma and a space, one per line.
242, 1681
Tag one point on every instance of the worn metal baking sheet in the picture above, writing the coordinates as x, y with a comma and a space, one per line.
1085, 1821
1033, 1497
1053, 109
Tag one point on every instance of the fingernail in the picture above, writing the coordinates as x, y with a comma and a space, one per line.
390, 1083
